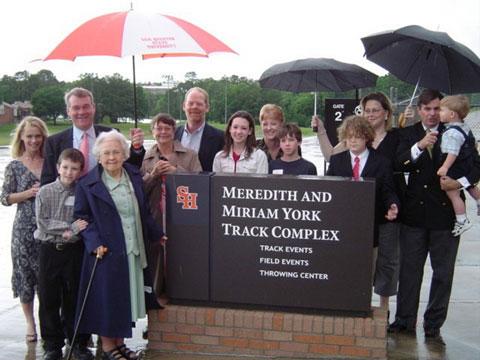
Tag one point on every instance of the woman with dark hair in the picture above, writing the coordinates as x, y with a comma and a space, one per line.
239, 154
377, 110
20, 186
166, 156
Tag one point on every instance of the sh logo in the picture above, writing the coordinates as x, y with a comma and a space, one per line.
188, 200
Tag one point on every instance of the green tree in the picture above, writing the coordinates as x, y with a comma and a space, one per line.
3, 92
151, 100
191, 76
161, 106
15, 87
22, 85
42, 79
48, 102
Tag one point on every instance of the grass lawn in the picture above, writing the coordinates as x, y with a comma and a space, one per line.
7, 130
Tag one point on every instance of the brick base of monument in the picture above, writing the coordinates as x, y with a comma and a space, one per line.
203, 330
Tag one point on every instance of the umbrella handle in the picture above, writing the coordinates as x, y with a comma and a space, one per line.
420, 76
414, 91
315, 128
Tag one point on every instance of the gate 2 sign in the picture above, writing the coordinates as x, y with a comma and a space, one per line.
301, 242
336, 110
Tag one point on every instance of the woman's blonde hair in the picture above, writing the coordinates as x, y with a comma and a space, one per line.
273, 111
18, 147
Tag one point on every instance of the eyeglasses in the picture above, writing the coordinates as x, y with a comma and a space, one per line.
163, 128
371, 111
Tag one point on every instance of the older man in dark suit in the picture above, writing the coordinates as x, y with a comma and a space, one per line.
196, 134
82, 135
428, 220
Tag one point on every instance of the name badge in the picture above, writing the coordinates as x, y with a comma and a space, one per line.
277, 171
70, 201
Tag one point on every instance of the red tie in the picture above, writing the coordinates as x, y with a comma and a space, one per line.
84, 151
356, 168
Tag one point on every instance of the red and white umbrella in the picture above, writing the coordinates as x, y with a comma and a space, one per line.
131, 33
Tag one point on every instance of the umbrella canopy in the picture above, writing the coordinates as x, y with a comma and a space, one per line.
135, 33
317, 74
427, 58
131, 33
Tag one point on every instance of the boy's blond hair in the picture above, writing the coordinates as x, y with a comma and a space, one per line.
458, 104
358, 126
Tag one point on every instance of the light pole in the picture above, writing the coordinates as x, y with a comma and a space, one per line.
168, 77
226, 103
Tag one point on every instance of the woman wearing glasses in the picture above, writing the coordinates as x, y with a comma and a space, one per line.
166, 156
377, 109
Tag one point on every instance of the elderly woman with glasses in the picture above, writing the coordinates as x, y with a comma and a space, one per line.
377, 110
111, 199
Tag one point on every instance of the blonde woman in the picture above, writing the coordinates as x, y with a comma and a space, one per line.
271, 120
20, 186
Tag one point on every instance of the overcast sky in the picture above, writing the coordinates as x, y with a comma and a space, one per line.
263, 32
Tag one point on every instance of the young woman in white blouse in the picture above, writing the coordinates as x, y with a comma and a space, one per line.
239, 154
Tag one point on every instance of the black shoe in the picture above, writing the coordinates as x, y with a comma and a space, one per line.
53, 354
113, 354
81, 352
145, 333
398, 327
127, 353
432, 333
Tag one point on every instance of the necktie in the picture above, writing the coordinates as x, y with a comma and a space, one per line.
356, 168
430, 147
84, 151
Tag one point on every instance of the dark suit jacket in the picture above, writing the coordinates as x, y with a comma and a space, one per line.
212, 142
55, 144
376, 166
426, 204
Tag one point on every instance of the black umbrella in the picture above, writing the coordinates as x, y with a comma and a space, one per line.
427, 58
312, 75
